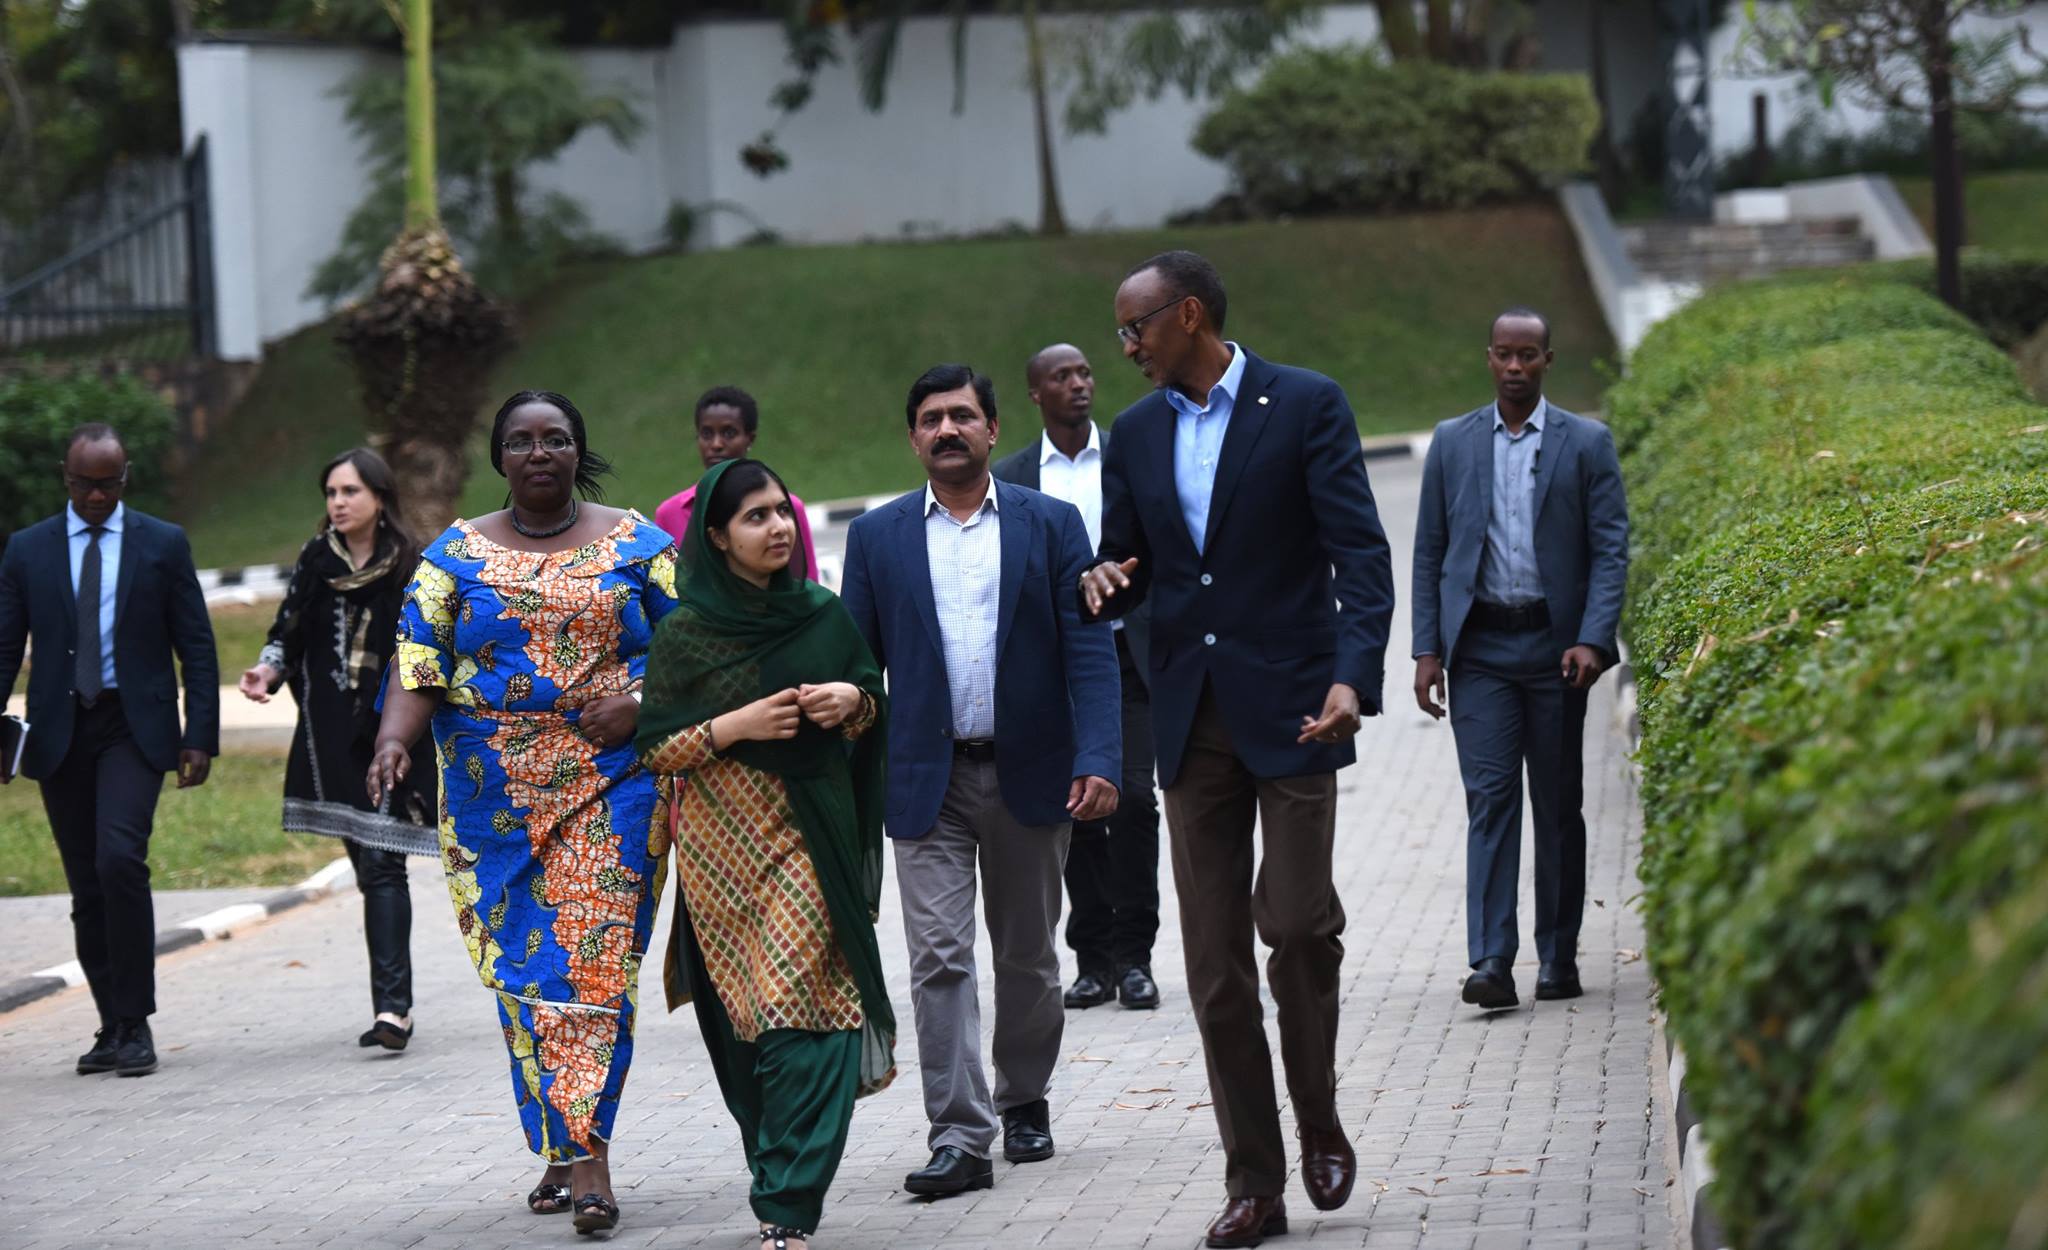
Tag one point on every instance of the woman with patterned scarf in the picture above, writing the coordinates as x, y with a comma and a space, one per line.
764, 713
331, 641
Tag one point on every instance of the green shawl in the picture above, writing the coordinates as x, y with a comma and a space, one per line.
730, 643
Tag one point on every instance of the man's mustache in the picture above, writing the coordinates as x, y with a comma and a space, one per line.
948, 444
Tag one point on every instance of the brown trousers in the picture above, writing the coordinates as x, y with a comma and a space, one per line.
1293, 905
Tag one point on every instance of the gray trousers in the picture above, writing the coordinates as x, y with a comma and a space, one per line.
1512, 711
935, 875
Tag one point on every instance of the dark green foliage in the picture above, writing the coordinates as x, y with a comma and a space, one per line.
1341, 130
38, 411
1813, 148
1839, 634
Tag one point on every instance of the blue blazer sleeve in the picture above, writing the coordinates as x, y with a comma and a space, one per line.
1607, 544
192, 638
1093, 683
1341, 498
857, 592
1123, 532
1432, 538
13, 616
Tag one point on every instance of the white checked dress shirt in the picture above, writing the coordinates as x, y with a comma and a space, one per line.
966, 560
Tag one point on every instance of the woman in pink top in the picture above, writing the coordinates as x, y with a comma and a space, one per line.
727, 419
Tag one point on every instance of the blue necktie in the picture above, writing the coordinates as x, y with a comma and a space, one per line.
88, 668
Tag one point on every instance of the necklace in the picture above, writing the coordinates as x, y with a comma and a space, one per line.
559, 529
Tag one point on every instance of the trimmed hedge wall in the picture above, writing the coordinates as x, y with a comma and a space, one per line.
1839, 623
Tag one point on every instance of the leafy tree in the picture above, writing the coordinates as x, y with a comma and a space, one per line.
1910, 55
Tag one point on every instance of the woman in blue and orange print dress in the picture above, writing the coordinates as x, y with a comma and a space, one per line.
523, 641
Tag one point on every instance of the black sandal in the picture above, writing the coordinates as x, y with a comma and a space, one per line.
595, 1215
776, 1236
556, 1196
386, 1034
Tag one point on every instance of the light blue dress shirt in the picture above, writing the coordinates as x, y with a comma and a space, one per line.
1198, 443
966, 562
1508, 573
110, 577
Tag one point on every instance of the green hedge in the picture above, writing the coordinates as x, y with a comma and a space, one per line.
38, 410
1342, 130
1838, 627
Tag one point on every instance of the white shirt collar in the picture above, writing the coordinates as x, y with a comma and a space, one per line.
76, 524
1047, 452
931, 498
1536, 418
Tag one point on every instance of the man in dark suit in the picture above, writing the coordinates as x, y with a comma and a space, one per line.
1521, 559
1236, 502
1002, 731
108, 596
1112, 865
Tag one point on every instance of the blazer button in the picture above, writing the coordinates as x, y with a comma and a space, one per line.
1206, 579
1208, 640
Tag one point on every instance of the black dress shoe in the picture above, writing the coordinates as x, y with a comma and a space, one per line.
1558, 980
1491, 985
1090, 989
105, 1047
951, 1171
1137, 989
1027, 1133
1247, 1222
137, 1053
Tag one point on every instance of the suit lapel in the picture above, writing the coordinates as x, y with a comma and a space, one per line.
59, 564
917, 553
1161, 446
1556, 429
125, 575
1013, 527
1247, 422
1482, 460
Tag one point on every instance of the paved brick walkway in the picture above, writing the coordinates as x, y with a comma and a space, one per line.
267, 1127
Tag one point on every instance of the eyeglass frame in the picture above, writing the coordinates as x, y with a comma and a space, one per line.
87, 485
1130, 331
567, 442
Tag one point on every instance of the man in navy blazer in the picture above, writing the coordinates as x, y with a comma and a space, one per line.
1521, 559
1236, 503
108, 596
1003, 715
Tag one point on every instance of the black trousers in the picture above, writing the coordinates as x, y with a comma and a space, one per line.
387, 925
1113, 865
101, 802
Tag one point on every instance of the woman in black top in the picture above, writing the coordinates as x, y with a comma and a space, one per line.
332, 642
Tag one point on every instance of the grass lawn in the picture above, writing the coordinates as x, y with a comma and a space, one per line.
830, 338
225, 833
2002, 212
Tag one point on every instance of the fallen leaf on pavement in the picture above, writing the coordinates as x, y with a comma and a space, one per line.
1087, 1059
1154, 1089
295, 963
1643, 1192
1134, 1106
1383, 1186
1204, 1103
1417, 1189
1503, 1172
1628, 956
1460, 1106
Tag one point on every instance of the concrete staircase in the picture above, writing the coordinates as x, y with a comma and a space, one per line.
1706, 253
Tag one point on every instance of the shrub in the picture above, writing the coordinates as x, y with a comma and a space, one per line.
1341, 130
1839, 630
38, 411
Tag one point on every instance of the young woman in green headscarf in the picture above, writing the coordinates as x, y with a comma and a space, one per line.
764, 710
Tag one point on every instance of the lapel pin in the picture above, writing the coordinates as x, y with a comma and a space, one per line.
1264, 400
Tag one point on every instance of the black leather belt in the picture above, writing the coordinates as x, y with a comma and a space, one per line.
1519, 618
980, 750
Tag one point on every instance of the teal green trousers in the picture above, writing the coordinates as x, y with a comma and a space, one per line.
792, 1092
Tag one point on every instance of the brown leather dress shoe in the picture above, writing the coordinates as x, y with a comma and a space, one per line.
1248, 1221
1328, 1167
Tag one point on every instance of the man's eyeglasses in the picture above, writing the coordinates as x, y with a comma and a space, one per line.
553, 444
87, 485
1130, 330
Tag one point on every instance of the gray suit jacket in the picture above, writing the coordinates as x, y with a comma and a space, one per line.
1581, 531
1021, 467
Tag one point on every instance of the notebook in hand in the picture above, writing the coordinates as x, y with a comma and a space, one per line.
13, 737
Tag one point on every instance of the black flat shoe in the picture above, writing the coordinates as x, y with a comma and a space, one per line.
1491, 986
1027, 1133
555, 1197
1558, 980
137, 1053
776, 1236
951, 1171
1137, 990
106, 1047
1088, 990
386, 1034
595, 1215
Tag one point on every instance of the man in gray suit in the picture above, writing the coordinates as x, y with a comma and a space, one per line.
1521, 558
1112, 872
